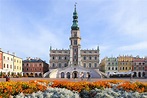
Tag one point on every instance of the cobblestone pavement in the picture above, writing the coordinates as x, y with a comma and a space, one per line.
76, 80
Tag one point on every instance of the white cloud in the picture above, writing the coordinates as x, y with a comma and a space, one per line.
137, 46
130, 18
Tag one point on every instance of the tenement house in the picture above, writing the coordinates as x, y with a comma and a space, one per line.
34, 67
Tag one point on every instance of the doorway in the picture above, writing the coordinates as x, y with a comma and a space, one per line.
75, 74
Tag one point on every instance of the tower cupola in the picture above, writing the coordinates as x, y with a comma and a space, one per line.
75, 20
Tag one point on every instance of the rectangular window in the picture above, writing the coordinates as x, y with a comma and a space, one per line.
84, 64
84, 58
95, 64
40, 65
95, 58
75, 42
75, 34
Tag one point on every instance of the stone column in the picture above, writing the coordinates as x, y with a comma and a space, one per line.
64, 74
137, 74
59, 75
141, 74
70, 74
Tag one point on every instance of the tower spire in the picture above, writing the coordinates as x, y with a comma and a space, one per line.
75, 6
75, 19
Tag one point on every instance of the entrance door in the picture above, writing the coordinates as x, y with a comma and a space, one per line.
62, 74
68, 75
75, 74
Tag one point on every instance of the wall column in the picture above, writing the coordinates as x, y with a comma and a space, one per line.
141, 74
137, 74
71, 74
64, 74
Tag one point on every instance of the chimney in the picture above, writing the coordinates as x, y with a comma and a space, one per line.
14, 54
8, 52
0, 49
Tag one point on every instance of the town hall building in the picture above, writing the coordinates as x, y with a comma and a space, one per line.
74, 61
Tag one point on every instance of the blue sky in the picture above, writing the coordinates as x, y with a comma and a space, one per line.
29, 27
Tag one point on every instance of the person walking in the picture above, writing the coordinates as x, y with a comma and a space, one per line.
7, 78
82, 75
88, 76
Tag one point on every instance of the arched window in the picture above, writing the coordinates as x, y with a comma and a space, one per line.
53, 57
68, 75
62, 75
112, 68
53, 65
108, 68
95, 58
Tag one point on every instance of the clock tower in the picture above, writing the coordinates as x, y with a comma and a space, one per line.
75, 40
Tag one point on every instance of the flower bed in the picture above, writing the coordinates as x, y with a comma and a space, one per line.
110, 88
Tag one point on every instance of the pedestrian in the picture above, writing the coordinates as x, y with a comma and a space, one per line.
131, 76
82, 75
88, 76
7, 78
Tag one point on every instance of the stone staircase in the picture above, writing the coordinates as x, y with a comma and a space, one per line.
103, 75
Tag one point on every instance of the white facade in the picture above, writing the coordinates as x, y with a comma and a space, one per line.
7, 63
71, 63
